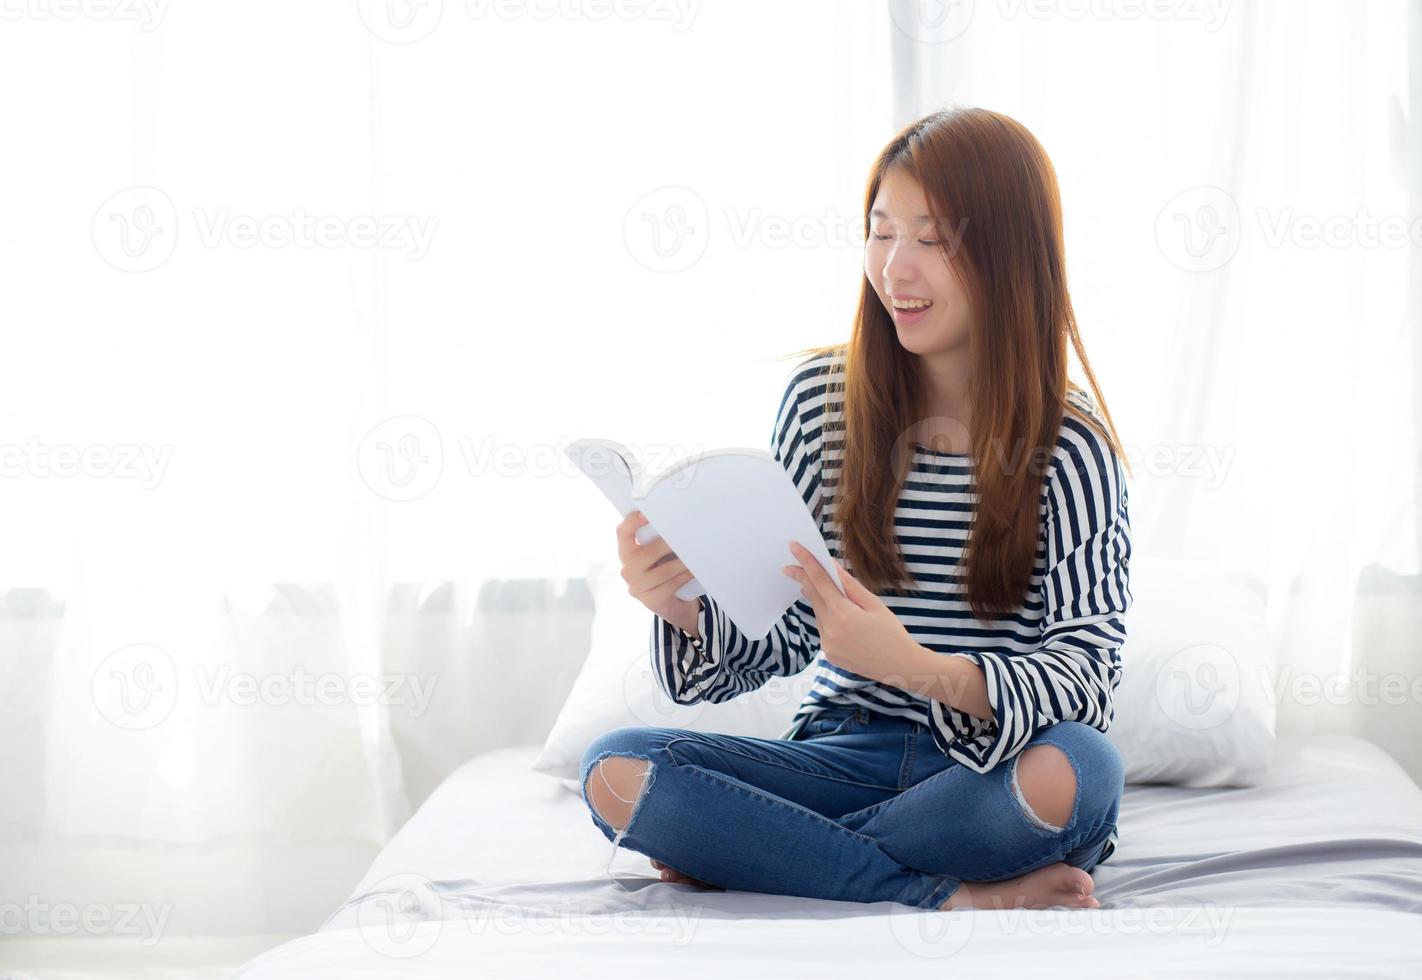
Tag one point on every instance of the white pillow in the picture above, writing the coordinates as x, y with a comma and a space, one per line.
1194, 706
616, 687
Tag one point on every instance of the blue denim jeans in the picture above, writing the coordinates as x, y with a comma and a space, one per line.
859, 807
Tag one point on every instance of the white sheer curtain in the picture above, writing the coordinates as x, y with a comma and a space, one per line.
302, 302
1243, 194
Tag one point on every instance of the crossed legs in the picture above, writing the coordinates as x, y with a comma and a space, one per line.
1043, 782
1045, 778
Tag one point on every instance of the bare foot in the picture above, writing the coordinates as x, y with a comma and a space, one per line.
1056, 884
676, 877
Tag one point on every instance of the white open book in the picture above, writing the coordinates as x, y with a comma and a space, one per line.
728, 514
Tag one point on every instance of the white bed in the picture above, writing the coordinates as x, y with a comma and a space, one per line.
1316, 872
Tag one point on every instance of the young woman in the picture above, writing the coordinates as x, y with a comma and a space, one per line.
951, 752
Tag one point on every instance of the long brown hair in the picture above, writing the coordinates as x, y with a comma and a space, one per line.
990, 184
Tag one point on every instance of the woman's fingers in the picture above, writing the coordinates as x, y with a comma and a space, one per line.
647, 556
819, 587
633, 553
652, 571
666, 590
646, 569
663, 574
662, 582
626, 529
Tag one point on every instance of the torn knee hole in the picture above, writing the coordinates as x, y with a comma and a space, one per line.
615, 785
1044, 783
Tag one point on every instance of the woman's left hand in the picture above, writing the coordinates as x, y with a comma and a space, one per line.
857, 631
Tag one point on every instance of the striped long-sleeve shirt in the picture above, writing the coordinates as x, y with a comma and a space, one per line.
1055, 658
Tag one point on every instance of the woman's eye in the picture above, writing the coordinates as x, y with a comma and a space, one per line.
928, 243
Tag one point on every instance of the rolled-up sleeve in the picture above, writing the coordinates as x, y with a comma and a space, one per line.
732, 664
1074, 673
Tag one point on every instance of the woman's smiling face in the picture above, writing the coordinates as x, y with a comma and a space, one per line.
906, 260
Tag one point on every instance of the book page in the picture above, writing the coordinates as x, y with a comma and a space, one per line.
730, 515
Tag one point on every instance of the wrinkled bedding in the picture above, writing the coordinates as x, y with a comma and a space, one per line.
1315, 872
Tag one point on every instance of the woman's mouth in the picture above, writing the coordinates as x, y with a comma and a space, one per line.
909, 311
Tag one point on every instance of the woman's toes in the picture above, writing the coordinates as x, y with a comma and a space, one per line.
1057, 884
675, 877
1080, 880
1076, 886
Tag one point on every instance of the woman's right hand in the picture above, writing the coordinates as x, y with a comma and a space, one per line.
653, 573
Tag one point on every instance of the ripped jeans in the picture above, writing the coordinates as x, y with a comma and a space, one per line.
859, 807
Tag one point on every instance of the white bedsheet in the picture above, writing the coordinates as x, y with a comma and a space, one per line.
1316, 872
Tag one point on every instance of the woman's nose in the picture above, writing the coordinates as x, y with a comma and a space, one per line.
899, 263
899, 266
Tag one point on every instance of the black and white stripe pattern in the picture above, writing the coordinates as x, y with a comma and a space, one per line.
1056, 658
